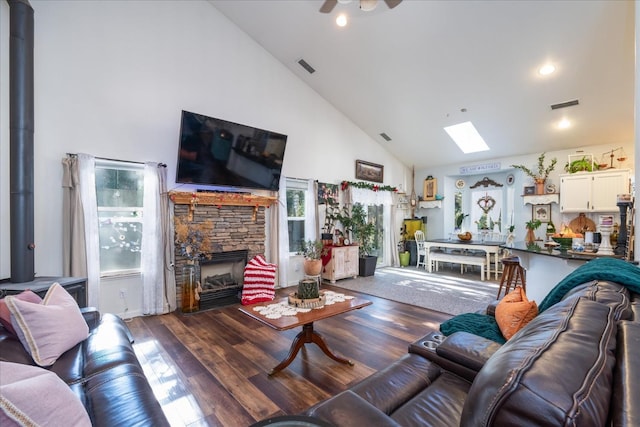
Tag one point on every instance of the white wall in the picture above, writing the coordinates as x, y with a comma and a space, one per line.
111, 79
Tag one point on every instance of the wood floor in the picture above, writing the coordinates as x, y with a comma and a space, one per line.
210, 368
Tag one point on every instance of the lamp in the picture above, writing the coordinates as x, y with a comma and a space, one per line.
368, 5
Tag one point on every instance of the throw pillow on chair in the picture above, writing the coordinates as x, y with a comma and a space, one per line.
514, 311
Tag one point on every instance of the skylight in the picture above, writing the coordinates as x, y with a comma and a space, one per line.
467, 137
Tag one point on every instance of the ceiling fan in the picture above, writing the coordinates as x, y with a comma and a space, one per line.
365, 5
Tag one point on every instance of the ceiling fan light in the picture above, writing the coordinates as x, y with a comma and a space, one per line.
368, 5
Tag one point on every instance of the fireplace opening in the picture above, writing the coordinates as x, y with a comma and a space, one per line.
221, 278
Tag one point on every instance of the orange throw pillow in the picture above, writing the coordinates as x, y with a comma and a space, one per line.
514, 312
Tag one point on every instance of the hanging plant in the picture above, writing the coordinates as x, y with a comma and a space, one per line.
374, 187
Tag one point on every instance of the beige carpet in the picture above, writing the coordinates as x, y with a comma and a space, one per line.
446, 291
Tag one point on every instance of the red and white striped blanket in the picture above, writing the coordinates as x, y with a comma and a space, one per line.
259, 281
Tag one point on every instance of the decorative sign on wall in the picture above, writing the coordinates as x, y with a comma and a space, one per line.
484, 167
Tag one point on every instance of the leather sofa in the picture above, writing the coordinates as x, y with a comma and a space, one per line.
574, 364
103, 371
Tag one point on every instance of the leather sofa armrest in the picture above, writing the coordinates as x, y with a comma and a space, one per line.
468, 350
462, 353
91, 316
624, 408
350, 410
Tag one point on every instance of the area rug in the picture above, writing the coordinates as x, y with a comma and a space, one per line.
445, 292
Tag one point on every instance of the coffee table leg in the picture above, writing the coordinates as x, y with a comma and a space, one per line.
307, 335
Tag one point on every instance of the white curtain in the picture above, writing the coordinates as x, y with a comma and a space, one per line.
87, 184
74, 253
158, 283
368, 197
311, 211
392, 248
280, 211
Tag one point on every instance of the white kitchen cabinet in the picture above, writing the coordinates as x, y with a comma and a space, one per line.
343, 263
592, 192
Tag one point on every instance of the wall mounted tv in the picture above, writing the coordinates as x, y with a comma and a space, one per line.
216, 152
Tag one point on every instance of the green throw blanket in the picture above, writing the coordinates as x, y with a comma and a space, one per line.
611, 269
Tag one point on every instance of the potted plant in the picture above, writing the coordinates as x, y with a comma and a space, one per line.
312, 250
363, 233
540, 176
531, 227
403, 253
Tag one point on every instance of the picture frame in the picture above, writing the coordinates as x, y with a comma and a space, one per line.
541, 213
430, 188
529, 191
369, 171
327, 193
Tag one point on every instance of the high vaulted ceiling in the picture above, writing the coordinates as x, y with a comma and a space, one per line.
424, 65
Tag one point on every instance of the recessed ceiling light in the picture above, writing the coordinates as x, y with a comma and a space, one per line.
564, 123
467, 137
341, 20
547, 69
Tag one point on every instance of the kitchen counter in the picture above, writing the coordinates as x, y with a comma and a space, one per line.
552, 251
545, 267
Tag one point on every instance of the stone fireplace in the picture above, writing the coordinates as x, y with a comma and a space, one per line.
237, 235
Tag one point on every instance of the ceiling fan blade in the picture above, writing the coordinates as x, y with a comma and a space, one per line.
392, 3
328, 6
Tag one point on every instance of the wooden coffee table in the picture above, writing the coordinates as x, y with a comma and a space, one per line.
307, 335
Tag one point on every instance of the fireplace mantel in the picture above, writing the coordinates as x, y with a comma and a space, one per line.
220, 199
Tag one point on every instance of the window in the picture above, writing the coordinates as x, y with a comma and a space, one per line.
296, 213
119, 193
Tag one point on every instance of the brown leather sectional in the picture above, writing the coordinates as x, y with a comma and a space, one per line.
575, 364
103, 371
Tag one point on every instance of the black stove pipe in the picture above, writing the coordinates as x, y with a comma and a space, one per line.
21, 140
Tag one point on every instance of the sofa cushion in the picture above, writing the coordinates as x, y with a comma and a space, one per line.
50, 328
394, 385
558, 370
5, 314
22, 389
612, 294
439, 405
347, 409
514, 311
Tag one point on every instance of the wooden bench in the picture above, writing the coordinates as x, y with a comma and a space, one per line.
458, 258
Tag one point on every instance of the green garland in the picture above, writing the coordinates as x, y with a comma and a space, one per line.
374, 187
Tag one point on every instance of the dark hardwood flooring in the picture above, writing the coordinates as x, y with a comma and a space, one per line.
210, 368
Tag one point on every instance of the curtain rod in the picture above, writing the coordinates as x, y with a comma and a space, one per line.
162, 165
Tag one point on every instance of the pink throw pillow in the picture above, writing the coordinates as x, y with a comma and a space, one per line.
5, 315
35, 396
48, 329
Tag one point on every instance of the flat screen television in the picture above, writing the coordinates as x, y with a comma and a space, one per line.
217, 152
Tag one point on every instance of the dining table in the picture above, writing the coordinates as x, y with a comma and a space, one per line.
490, 248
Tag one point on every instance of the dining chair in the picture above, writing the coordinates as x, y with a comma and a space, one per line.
421, 249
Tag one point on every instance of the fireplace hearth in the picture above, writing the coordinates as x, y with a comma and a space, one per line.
222, 277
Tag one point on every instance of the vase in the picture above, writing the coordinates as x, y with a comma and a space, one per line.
190, 288
540, 186
312, 267
531, 236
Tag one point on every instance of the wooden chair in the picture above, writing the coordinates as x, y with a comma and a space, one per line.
512, 275
421, 250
